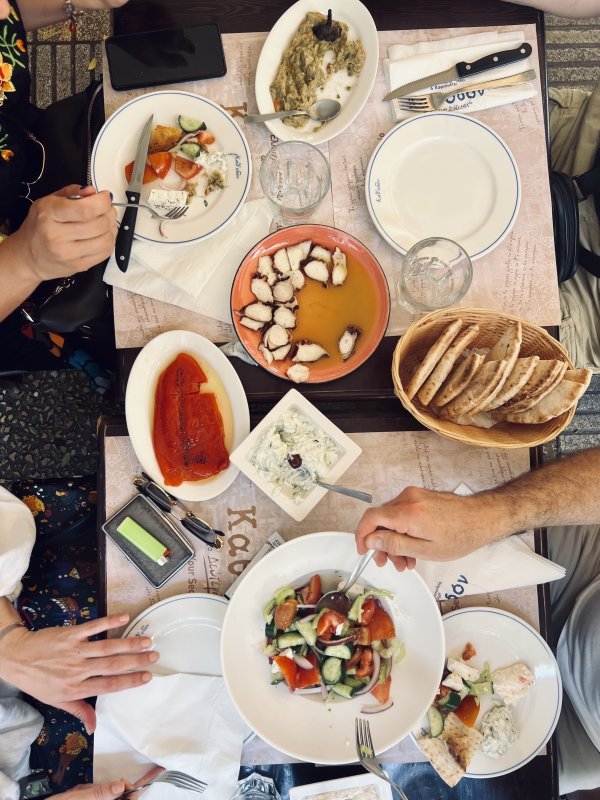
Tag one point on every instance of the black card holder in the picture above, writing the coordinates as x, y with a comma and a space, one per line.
146, 514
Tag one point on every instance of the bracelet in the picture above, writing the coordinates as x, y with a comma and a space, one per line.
10, 628
72, 15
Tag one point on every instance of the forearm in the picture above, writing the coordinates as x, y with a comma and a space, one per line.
17, 281
564, 8
39, 13
565, 492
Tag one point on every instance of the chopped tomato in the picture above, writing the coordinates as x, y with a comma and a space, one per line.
149, 174
365, 667
308, 677
204, 137
354, 659
468, 652
381, 626
381, 691
186, 168
363, 635
468, 710
160, 163
285, 613
328, 623
368, 609
442, 692
289, 670
311, 593
277, 104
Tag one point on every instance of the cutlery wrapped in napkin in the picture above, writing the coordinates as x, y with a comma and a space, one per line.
407, 62
182, 722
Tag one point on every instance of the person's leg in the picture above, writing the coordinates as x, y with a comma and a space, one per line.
576, 620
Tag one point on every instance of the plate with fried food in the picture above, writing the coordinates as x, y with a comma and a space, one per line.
487, 378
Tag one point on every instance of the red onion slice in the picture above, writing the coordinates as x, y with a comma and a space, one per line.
374, 676
331, 642
376, 709
323, 688
302, 662
308, 690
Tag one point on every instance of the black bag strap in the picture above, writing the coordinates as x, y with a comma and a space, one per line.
588, 185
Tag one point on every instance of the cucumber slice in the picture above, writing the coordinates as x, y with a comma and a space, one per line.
480, 688
289, 640
307, 630
343, 690
270, 630
355, 683
332, 670
276, 677
436, 721
189, 124
191, 149
338, 651
450, 702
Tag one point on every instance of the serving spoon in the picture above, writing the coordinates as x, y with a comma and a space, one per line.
320, 111
295, 462
338, 599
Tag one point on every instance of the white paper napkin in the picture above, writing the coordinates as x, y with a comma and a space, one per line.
196, 276
183, 722
407, 62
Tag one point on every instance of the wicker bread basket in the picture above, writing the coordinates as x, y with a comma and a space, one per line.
417, 340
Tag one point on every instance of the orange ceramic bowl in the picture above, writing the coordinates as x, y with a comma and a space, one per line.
323, 312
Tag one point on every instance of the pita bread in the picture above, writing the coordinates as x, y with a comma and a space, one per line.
445, 364
542, 376
490, 397
579, 376
438, 754
559, 400
520, 374
508, 345
482, 385
459, 378
481, 420
463, 742
516, 406
435, 352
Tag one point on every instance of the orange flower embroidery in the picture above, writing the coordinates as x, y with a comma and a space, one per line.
7, 154
21, 45
33, 503
6, 71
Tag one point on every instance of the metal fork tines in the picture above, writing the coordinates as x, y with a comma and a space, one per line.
366, 755
174, 213
435, 100
174, 778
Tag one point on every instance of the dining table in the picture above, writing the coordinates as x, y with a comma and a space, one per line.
362, 403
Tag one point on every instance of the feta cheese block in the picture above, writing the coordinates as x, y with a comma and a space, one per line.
512, 683
165, 200
466, 672
454, 681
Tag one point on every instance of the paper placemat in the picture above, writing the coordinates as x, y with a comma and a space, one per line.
388, 463
518, 277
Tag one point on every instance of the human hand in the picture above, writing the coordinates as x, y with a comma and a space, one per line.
436, 526
97, 5
60, 236
60, 666
108, 791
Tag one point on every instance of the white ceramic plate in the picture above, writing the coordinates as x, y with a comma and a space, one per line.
349, 452
116, 146
360, 25
304, 726
502, 639
443, 175
139, 406
340, 788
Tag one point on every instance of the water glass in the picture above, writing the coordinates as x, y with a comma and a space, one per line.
435, 273
295, 177
256, 787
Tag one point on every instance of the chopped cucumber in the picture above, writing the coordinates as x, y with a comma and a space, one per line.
450, 702
276, 677
191, 149
383, 672
270, 630
307, 630
270, 650
343, 690
268, 612
332, 670
480, 688
315, 621
283, 594
289, 640
356, 610
436, 722
338, 651
355, 683
189, 124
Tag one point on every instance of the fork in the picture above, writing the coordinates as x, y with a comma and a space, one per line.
434, 100
174, 213
173, 777
366, 755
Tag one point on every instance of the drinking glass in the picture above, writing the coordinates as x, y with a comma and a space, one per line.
295, 177
256, 787
435, 273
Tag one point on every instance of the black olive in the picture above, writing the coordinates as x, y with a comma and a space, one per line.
295, 460
327, 31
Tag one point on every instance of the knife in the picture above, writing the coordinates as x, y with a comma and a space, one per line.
127, 228
464, 69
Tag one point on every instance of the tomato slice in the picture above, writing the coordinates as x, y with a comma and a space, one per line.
311, 593
186, 168
363, 635
468, 710
308, 677
289, 670
328, 623
368, 609
149, 174
381, 691
365, 667
160, 163
355, 658
381, 626
285, 613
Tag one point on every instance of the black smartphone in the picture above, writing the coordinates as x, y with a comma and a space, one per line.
173, 55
